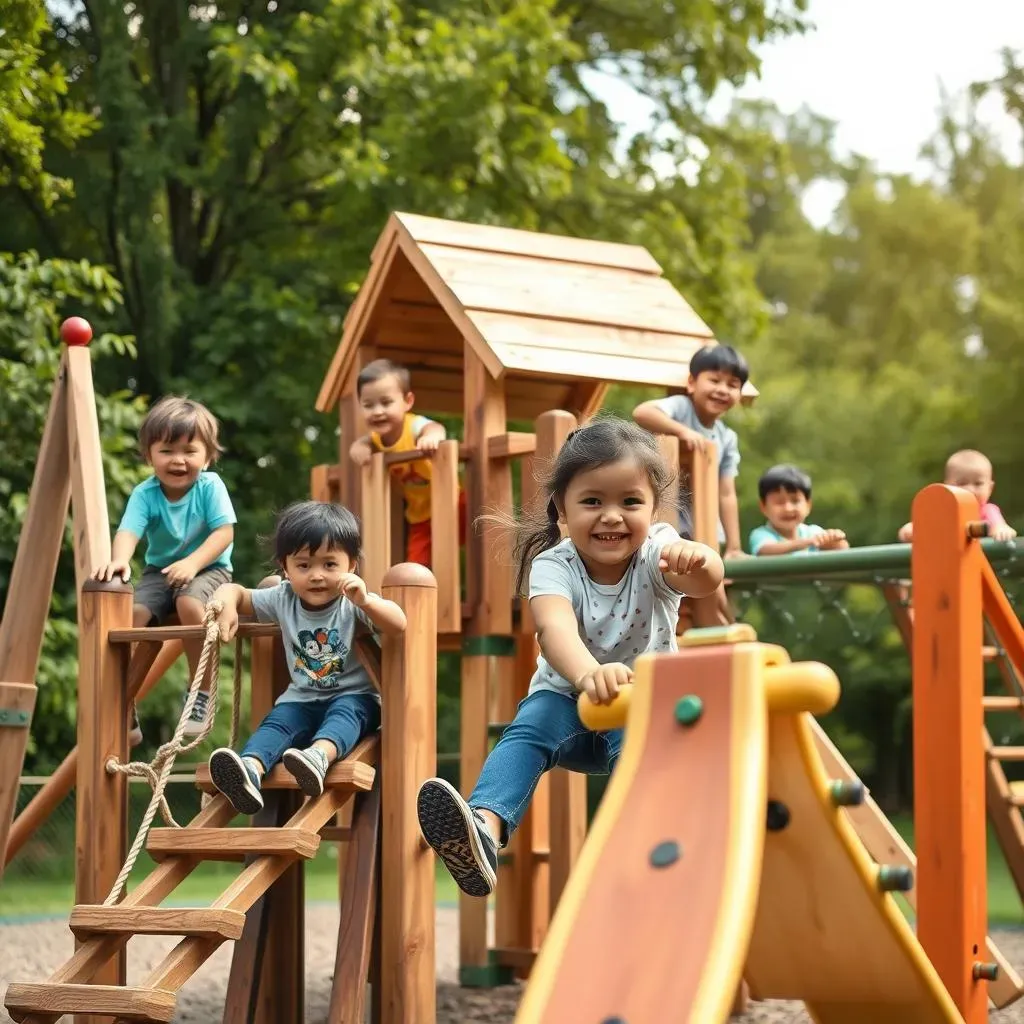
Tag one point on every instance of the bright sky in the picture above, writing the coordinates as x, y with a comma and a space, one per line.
876, 68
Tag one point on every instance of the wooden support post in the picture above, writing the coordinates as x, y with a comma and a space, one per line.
101, 818
568, 794
408, 756
376, 522
16, 703
444, 533
949, 779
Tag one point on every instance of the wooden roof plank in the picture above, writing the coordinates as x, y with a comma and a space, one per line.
490, 238
448, 301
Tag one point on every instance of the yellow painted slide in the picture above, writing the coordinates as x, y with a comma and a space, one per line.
719, 852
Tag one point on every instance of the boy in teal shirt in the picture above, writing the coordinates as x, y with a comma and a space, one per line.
185, 515
785, 498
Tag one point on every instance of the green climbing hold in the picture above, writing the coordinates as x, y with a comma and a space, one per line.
665, 853
847, 792
689, 709
895, 878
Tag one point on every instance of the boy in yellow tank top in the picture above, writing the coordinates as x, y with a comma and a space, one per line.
386, 400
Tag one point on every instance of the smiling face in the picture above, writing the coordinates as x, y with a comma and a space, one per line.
608, 512
714, 393
785, 510
314, 575
973, 472
384, 406
177, 464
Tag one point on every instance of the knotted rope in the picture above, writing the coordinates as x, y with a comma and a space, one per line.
157, 771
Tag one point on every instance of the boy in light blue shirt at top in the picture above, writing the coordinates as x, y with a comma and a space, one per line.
785, 499
185, 515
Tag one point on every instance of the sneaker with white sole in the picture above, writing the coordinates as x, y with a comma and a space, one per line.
459, 836
238, 781
195, 721
309, 767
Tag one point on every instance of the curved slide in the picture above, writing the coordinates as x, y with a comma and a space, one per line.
719, 853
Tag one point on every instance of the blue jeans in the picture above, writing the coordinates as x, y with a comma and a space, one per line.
546, 733
343, 719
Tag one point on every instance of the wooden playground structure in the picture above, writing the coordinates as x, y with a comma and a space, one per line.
510, 330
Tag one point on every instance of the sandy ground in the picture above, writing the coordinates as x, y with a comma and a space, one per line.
30, 951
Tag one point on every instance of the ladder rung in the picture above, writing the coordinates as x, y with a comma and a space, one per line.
206, 922
351, 775
1003, 703
231, 843
989, 653
151, 1004
1017, 794
1007, 753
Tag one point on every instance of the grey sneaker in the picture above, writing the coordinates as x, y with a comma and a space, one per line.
458, 835
236, 780
195, 722
309, 767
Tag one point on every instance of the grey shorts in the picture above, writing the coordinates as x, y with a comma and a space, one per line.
155, 593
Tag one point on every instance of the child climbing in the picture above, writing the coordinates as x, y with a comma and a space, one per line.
972, 471
185, 515
601, 597
330, 703
785, 498
715, 384
386, 400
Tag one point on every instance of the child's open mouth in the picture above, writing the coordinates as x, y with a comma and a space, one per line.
610, 538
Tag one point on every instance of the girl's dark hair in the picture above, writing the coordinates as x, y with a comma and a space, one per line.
599, 443
720, 359
784, 478
313, 525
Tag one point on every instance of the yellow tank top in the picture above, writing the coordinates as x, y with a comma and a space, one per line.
414, 476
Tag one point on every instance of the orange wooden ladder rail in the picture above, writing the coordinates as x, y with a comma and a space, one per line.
948, 568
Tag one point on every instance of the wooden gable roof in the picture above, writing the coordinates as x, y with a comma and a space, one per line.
559, 318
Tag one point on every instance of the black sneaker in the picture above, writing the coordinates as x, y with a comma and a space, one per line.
236, 780
458, 835
309, 767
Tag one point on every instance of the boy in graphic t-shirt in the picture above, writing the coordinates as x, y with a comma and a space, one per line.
386, 400
330, 703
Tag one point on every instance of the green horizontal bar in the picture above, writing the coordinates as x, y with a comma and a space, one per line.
498, 646
889, 560
14, 717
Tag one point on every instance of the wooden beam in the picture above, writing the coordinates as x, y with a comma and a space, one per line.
511, 445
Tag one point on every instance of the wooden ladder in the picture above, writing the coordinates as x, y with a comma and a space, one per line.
1003, 799
268, 851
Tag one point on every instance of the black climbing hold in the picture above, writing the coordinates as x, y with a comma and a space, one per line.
985, 971
689, 709
665, 853
895, 878
847, 792
778, 815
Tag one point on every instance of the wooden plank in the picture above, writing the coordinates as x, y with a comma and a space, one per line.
444, 532
101, 806
345, 775
358, 913
946, 566
320, 483
408, 756
126, 1003
511, 445
230, 843
494, 239
133, 634
88, 493
16, 699
450, 303
626, 368
92, 920
39, 544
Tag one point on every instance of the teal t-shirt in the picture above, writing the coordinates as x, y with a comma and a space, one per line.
766, 535
174, 529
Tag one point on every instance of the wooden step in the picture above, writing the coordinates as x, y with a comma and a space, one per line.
351, 775
1007, 753
989, 653
204, 922
152, 1004
1003, 703
231, 843
1017, 794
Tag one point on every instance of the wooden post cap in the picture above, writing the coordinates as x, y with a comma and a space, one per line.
409, 574
114, 586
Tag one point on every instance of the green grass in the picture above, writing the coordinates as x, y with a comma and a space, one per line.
22, 896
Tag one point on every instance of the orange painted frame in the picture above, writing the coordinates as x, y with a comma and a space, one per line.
949, 760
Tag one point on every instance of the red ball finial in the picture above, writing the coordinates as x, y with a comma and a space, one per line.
75, 331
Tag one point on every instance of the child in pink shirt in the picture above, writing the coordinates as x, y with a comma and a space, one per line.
973, 472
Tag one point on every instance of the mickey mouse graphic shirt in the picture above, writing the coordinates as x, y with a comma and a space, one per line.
318, 644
